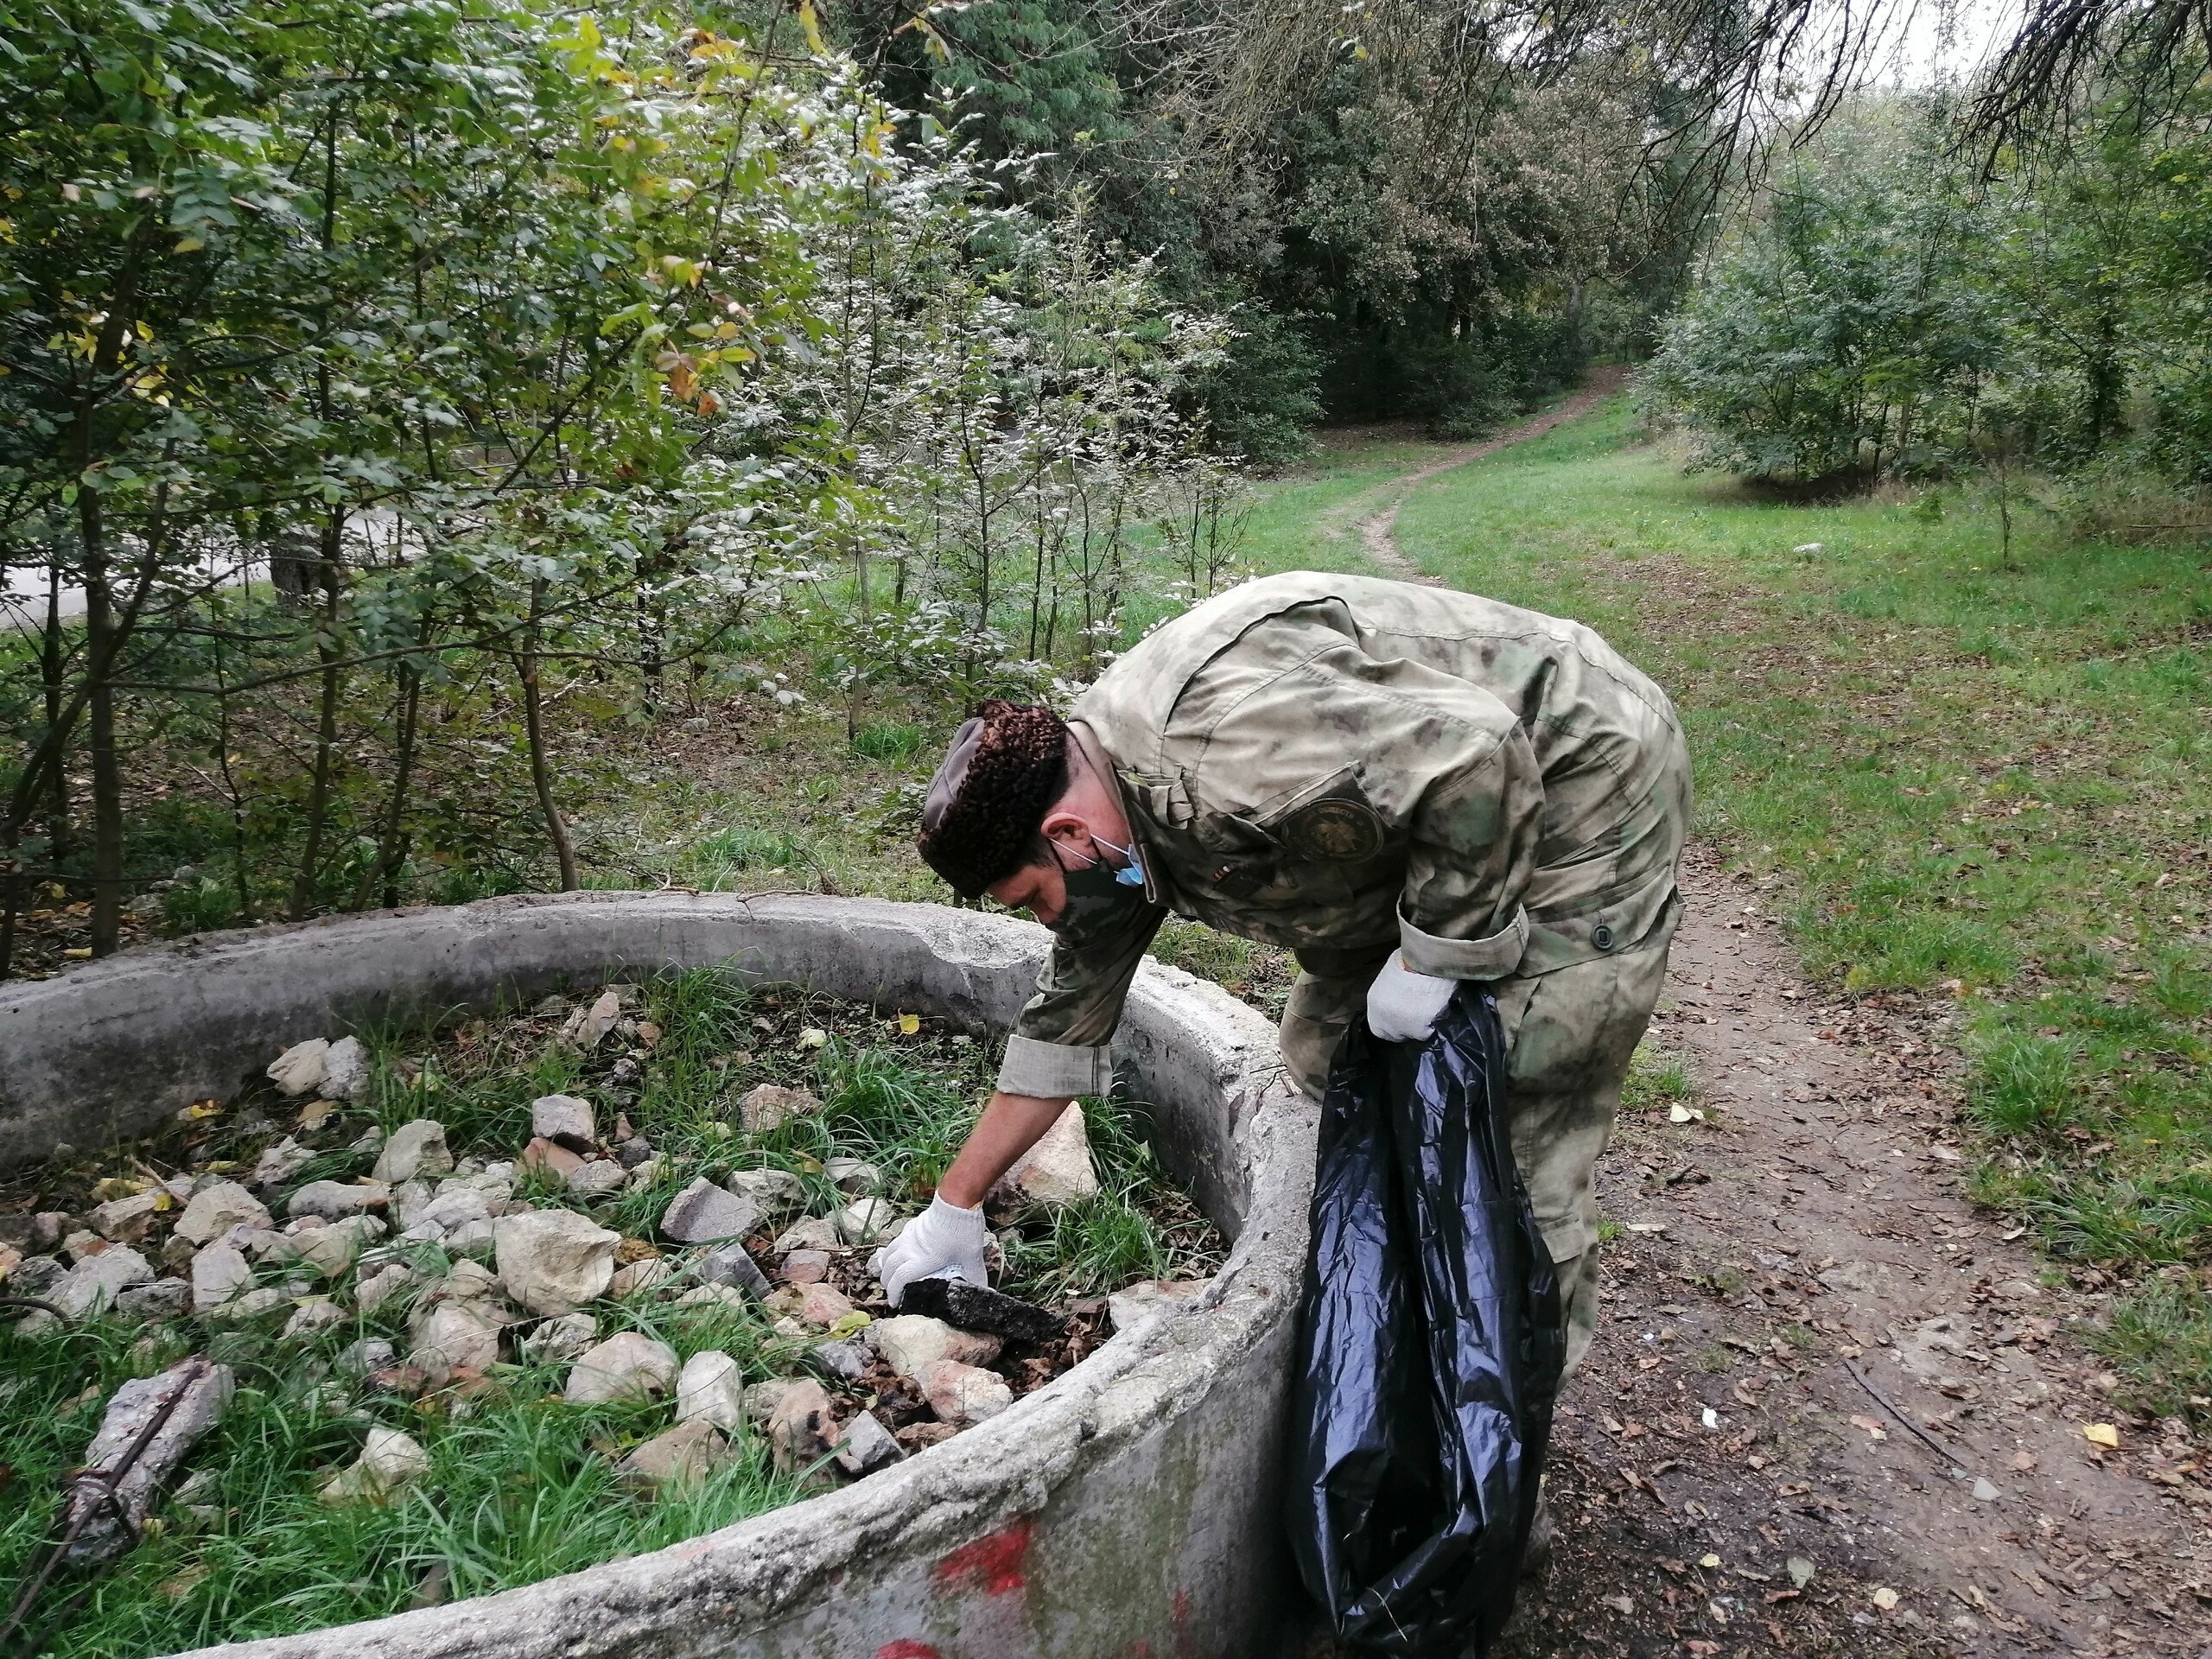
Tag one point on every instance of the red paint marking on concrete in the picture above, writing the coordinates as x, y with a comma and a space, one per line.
995, 1564
905, 1647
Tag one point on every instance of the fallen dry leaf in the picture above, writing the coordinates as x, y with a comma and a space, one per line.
1885, 1599
2102, 1434
1874, 1429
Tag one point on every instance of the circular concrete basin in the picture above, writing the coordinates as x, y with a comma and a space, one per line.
1128, 1510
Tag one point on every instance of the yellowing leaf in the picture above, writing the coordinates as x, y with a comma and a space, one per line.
808, 22
909, 1024
2102, 1434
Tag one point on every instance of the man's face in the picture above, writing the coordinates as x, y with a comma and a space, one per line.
1040, 889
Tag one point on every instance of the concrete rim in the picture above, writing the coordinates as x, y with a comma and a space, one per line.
749, 1588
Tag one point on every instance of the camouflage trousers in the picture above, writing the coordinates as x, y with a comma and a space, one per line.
1570, 1033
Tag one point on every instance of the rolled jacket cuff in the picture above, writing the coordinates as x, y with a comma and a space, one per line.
1055, 1071
1487, 958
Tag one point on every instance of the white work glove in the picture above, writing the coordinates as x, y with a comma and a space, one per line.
944, 1241
1403, 1005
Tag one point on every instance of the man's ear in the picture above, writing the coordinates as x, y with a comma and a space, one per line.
1063, 825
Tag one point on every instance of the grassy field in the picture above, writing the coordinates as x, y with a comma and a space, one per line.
1979, 779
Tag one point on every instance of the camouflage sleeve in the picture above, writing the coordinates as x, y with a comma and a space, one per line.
1059, 1047
1474, 831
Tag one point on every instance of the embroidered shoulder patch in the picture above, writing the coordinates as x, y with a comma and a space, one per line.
1334, 829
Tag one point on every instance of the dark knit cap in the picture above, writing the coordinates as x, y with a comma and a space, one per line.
988, 802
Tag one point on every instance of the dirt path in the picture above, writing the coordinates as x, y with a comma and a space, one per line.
1832, 1408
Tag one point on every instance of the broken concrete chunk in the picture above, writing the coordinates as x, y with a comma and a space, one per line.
769, 1106
192, 1392
414, 1149
711, 1388
853, 1174
910, 1341
703, 1211
628, 1365
978, 1307
683, 1455
867, 1446
1056, 1171
217, 1208
553, 1261
346, 1071
565, 1338
565, 1120
334, 1200
799, 1425
298, 1070
388, 1462
962, 1396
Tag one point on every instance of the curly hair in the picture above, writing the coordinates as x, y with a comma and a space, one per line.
1006, 768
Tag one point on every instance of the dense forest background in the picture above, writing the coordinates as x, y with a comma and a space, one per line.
413, 413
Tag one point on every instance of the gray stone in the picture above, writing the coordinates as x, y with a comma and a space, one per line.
455, 1336
731, 1265
633, 1152
628, 1365
853, 1174
125, 1221
867, 1446
588, 1027
298, 1070
760, 1400
778, 1192
800, 1426
165, 1298
769, 1106
681, 1456
414, 1149
556, 1340
554, 1261
35, 1275
345, 1071
866, 1222
332, 1248
566, 1120
378, 1284
640, 1276
369, 1354
153, 1422
334, 1200
815, 1233
910, 1341
1055, 1173
389, 1462
702, 1212
217, 1208
218, 1273
598, 1177
280, 1162
962, 1396
711, 1387
313, 1316
847, 1359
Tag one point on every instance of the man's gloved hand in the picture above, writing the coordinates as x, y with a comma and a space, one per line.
1403, 1005
942, 1241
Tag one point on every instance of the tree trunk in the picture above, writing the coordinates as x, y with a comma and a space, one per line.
107, 771
541, 774
329, 650
392, 843
50, 664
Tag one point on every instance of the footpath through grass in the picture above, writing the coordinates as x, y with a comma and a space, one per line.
1979, 779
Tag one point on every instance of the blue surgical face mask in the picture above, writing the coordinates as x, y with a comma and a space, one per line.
1131, 872
1097, 895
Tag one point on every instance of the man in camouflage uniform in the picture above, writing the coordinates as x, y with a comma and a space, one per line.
1407, 787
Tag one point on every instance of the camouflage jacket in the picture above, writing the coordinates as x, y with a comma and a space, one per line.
1341, 765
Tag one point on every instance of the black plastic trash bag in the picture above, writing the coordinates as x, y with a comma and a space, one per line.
1430, 1346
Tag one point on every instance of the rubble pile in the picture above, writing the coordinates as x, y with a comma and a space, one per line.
676, 1237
